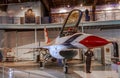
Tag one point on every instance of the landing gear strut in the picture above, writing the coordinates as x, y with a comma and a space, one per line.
65, 67
41, 64
44, 56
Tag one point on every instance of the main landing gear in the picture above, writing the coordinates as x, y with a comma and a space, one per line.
44, 57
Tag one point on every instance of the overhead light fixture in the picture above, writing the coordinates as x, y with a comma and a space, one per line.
81, 5
118, 7
68, 6
19, 0
108, 8
119, 2
62, 10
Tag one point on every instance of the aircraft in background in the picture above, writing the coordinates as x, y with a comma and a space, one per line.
69, 39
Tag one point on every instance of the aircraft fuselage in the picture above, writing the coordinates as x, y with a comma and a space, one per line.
75, 41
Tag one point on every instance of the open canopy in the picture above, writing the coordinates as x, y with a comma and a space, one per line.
70, 26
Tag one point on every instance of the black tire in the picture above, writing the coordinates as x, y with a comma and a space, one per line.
66, 70
41, 64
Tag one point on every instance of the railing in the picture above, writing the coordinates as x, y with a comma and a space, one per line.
104, 15
6, 72
100, 15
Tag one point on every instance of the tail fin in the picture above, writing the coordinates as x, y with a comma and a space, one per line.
47, 40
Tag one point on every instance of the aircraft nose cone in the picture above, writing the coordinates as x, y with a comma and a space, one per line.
93, 41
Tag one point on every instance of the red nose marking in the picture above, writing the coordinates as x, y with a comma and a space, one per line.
94, 41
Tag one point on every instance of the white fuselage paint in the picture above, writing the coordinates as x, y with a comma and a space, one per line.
57, 46
78, 39
55, 51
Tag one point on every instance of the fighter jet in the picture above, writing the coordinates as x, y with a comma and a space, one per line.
70, 38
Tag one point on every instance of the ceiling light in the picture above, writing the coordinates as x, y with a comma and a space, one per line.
81, 5
62, 10
19, 0
119, 2
68, 6
108, 8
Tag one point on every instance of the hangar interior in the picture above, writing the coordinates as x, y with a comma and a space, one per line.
18, 34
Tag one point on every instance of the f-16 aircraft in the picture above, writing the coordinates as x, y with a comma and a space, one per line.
70, 38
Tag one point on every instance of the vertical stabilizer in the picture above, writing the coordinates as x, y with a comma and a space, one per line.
47, 40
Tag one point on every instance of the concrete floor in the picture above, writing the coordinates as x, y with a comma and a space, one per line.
31, 69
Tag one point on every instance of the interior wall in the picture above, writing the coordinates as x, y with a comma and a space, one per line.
10, 39
2, 38
21, 38
18, 10
15, 13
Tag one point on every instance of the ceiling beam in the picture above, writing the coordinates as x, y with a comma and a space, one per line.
46, 4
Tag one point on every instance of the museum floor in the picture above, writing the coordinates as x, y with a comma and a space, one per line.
31, 69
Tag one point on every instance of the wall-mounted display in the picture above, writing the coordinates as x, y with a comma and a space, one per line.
29, 16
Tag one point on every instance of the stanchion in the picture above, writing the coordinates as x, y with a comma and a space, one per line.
118, 63
29, 75
3, 70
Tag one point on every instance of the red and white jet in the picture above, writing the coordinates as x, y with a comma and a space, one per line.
69, 39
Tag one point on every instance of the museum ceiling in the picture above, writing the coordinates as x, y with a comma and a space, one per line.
58, 3
4, 2
69, 3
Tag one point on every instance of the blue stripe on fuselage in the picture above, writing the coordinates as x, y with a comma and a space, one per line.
72, 39
68, 44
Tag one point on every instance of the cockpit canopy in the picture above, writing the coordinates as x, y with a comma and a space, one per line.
71, 23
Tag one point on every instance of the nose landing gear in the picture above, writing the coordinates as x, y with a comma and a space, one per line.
65, 67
